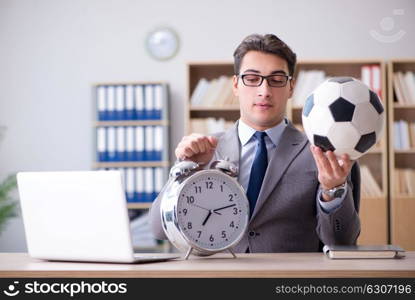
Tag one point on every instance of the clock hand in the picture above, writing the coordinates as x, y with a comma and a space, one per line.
220, 208
207, 217
200, 207
205, 208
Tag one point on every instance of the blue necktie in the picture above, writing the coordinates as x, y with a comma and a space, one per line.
258, 169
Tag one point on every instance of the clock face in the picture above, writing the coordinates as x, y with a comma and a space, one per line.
212, 210
162, 43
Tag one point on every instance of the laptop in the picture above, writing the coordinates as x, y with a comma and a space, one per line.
78, 216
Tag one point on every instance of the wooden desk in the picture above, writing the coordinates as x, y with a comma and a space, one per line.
278, 265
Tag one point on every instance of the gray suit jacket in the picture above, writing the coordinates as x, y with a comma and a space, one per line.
287, 217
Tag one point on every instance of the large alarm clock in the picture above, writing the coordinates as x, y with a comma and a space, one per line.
204, 211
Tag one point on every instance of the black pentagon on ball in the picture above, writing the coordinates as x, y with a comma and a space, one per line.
365, 142
341, 79
309, 103
375, 101
323, 142
342, 110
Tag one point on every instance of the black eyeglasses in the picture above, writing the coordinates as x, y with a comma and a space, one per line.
256, 80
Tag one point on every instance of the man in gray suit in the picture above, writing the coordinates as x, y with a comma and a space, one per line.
300, 197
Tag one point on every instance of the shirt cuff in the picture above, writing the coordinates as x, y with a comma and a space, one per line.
329, 206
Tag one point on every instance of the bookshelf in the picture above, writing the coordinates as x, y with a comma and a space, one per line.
402, 151
130, 126
373, 208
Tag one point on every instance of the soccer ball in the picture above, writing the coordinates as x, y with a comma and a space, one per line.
343, 115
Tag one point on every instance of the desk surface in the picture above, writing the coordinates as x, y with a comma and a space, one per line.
271, 265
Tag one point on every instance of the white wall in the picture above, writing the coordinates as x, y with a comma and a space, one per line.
51, 52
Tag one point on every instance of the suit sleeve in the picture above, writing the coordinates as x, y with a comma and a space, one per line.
342, 225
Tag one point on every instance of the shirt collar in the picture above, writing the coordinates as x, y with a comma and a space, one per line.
246, 132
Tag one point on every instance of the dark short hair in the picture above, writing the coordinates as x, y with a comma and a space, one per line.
268, 43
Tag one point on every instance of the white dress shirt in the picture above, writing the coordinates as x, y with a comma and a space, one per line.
248, 149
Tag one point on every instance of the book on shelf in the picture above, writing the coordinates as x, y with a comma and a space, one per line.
409, 175
369, 185
398, 89
207, 98
214, 93
216, 90
404, 87
410, 86
404, 182
404, 135
199, 91
363, 251
228, 98
371, 76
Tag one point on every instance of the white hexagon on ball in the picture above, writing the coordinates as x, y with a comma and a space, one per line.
355, 91
319, 121
326, 93
343, 135
367, 119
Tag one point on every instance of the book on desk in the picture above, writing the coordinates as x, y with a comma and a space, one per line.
363, 251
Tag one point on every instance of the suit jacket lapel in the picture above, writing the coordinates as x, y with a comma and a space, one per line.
290, 144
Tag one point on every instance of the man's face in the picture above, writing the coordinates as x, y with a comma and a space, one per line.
264, 106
